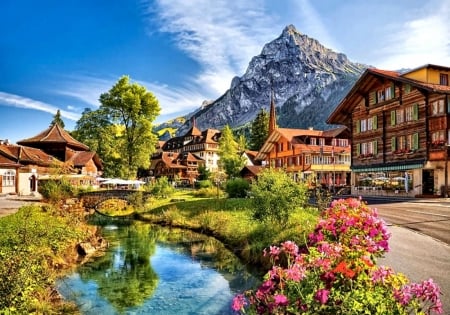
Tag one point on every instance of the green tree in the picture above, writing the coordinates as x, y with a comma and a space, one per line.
259, 130
57, 120
96, 131
275, 196
121, 129
230, 153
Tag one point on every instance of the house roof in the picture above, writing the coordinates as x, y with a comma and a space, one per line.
81, 158
26, 155
53, 135
296, 137
365, 83
252, 169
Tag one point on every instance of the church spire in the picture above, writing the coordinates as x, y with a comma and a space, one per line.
272, 117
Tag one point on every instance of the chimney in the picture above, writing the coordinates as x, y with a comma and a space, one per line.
272, 117
310, 128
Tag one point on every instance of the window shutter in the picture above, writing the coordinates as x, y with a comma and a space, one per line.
374, 122
373, 98
393, 118
375, 147
358, 126
416, 111
416, 141
448, 104
393, 144
392, 90
358, 148
407, 88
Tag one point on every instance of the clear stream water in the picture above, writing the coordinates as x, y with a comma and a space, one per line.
152, 270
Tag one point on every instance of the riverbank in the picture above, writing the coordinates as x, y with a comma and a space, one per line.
36, 246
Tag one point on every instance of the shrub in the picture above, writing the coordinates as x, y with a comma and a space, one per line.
55, 190
161, 188
337, 273
275, 196
237, 188
206, 183
210, 192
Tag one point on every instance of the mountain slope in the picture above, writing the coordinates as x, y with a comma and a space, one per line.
308, 81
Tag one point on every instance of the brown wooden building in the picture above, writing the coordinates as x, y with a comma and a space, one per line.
399, 131
316, 156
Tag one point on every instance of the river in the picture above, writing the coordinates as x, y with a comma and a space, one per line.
148, 269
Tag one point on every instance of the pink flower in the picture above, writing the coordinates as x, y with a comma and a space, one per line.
322, 296
290, 248
281, 300
238, 302
295, 273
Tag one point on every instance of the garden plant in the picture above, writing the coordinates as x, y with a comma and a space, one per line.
337, 272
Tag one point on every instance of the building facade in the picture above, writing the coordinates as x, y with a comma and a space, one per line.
399, 131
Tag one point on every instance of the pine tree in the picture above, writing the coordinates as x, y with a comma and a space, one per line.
259, 130
57, 120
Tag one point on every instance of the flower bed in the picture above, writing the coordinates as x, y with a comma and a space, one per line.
336, 273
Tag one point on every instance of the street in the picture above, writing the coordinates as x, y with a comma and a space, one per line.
420, 238
431, 217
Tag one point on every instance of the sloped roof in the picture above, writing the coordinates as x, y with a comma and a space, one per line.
52, 135
27, 155
365, 83
81, 158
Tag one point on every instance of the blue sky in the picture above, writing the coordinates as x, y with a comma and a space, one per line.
63, 54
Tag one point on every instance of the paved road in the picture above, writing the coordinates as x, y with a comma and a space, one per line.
420, 241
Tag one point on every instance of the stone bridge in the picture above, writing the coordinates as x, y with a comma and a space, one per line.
92, 199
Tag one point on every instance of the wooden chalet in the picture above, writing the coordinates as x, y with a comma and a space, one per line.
176, 166
399, 125
20, 166
202, 144
316, 156
58, 143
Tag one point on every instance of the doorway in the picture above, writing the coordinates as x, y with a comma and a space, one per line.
428, 182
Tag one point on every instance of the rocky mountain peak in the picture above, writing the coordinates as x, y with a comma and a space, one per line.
308, 81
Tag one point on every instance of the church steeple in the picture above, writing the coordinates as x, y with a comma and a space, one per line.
272, 117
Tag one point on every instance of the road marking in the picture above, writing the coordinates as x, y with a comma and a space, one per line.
428, 213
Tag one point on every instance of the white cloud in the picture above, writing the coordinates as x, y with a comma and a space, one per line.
222, 36
24, 102
418, 41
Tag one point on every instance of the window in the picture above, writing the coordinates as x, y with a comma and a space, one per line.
387, 93
400, 116
9, 178
313, 141
438, 136
407, 88
321, 141
381, 95
412, 112
363, 125
443, 79
437, 107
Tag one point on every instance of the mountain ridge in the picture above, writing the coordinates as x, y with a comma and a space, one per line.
307, 79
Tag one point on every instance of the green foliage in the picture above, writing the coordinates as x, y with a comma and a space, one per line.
121, 129
161, 188
203, 172
230, 152
55, 190
275, 196
209, 192
259, 130
57, 119
31, 244
237, 188
204, 183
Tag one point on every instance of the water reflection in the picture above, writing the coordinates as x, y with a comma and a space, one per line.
154, 270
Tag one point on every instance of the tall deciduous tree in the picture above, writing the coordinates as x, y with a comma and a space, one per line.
259, 130
121, 129
57, 120
230, 152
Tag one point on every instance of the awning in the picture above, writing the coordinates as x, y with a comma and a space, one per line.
398, 166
